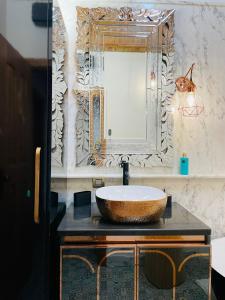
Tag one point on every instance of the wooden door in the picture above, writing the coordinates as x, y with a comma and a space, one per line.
25, 120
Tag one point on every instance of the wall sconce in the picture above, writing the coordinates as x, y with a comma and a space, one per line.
189, 107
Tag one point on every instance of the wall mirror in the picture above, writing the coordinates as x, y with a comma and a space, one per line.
124, 86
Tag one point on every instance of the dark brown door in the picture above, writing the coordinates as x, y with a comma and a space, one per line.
16, 157
25, 105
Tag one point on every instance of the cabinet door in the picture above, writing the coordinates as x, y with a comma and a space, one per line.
97, 272
180, 273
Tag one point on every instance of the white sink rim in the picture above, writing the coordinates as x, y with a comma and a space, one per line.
130, 193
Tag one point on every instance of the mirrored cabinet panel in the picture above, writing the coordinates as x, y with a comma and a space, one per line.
135, 271
174, 273
97, 272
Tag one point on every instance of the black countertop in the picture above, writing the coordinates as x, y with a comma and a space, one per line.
87, 221
57, 212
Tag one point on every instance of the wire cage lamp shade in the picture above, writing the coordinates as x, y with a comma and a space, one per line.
189, 105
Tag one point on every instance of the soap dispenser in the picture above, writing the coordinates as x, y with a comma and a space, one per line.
184, 164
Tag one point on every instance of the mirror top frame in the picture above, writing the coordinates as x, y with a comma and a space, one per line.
87, 21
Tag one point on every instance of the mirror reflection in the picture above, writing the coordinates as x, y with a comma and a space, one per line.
125, 92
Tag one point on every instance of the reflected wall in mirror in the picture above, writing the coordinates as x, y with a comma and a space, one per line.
124, 86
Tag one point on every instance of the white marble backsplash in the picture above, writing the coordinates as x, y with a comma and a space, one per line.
199, 38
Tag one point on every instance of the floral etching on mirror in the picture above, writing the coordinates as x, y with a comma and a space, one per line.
86, 80
59, 87
82, 127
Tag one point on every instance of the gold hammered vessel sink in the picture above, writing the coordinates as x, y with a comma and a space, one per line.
130, 203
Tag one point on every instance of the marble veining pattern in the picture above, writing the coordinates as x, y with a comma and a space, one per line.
204, 44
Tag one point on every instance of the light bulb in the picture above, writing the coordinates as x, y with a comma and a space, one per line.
153, 80
191, 99
153, 84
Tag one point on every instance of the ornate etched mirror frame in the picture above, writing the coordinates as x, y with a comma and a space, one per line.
89, 93
59, 87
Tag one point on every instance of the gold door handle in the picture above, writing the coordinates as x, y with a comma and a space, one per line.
37, 184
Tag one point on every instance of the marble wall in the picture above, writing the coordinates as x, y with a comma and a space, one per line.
199, 38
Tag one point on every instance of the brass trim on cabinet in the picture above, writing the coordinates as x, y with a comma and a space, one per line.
134, 239
136, 276
174, 245
37, 185
74, 256
99, 246
99, 267
199, 255
190, 257
132, 249
136, 249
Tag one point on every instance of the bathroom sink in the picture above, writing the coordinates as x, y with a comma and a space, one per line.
130, 203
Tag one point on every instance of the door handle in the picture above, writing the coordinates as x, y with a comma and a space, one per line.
37, 184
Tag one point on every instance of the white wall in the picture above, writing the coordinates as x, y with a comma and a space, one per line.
3, 17
16, 22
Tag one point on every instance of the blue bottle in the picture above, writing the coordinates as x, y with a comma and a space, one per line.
184, 165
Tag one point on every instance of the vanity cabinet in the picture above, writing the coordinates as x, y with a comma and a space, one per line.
165, 260
135, 271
